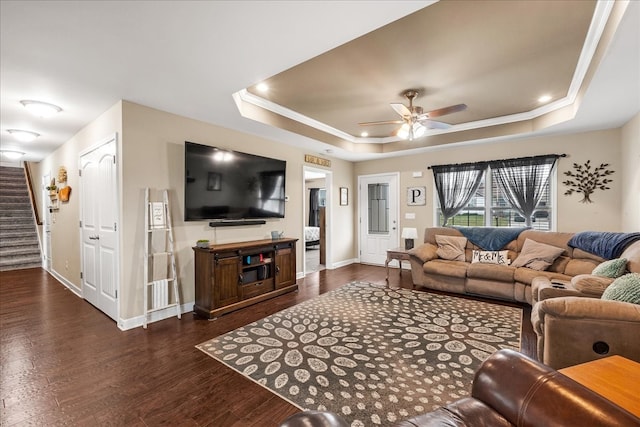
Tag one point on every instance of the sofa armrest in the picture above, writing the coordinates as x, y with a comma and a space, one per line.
425, 252
542, 289
574, 330
526, 392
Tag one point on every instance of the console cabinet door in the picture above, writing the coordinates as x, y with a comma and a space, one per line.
226, 278
285, 267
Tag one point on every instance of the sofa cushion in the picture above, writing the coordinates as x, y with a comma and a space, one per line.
591, 285
625, 288
613, 268
451, 247
446, 268
537, 256
526, 275
498, 273
580, 266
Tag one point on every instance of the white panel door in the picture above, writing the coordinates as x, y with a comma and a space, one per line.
378, 207
98, 200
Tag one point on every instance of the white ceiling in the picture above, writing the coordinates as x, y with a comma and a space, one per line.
189, 57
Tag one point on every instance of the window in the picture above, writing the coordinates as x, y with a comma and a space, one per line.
378, 199
491, 208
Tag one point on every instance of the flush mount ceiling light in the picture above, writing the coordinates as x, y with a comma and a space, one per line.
23, 135
262, 87
41, 109
11, 154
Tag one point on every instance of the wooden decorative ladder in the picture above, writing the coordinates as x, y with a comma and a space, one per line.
159, 258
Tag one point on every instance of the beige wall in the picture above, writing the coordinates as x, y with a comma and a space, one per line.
601, 147
153, 153
65, 231
631, 175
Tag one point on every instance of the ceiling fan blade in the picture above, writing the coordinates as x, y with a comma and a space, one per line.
385, 122
432, 124
401, 109
446, 110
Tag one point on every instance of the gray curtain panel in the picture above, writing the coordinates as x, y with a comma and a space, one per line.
455, 185
522, 181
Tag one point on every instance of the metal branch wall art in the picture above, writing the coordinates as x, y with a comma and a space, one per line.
586, 180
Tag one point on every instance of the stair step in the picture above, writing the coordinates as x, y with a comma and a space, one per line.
14, 191
17, 233
12, 213
19, 252
15, 199
25, 228
17, 243
20, 264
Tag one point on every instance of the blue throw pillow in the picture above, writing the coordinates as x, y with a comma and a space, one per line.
625, 288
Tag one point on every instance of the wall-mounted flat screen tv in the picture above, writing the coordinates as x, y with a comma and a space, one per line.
221, 184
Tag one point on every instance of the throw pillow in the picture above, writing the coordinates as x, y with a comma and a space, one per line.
613, 268
625, 288
491, 257
424, 252
591, 285
451, 247
536, 255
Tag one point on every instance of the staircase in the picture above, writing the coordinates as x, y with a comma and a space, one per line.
19, 247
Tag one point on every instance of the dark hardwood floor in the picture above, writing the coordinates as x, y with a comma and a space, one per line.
63, 362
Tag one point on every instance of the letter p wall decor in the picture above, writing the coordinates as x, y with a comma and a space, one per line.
416, 196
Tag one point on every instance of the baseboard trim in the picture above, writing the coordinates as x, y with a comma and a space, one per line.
73, 288
154, 316
342, 263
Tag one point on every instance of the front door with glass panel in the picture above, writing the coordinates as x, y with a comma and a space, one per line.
378, 198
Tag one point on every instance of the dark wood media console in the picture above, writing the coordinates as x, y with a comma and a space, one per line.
232, 276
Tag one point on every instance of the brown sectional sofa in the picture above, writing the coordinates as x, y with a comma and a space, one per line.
495, 281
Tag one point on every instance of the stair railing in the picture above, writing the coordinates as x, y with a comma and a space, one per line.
34, 205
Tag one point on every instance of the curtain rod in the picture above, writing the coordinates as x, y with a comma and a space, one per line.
501, 160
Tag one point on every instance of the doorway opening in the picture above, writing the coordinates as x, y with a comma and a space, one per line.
316, 215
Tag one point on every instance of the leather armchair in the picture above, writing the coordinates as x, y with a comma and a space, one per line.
510, 389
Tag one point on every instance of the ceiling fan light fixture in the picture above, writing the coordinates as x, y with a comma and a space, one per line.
418, 130
40, 109
403, 132
23, 135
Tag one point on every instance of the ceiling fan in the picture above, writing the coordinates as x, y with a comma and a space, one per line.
415, 121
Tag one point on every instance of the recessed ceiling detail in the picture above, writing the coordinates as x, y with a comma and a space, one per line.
497, 57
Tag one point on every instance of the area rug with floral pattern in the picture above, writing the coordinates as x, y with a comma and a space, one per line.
372, 354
